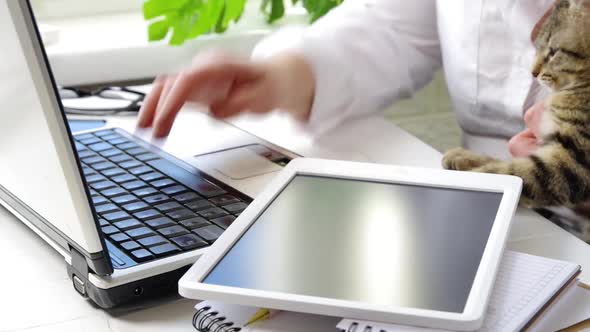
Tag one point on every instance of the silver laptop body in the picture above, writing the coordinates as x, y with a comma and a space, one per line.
45, 181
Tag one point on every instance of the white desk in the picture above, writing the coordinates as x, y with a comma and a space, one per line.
40, 296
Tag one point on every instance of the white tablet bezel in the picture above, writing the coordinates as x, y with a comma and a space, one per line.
191, 285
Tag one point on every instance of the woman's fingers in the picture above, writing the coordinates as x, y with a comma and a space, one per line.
150, 104
245, 97
229, 85
172, 103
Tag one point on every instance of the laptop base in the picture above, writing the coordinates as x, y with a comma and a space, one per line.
149, 288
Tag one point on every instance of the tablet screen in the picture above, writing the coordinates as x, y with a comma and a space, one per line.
379, 243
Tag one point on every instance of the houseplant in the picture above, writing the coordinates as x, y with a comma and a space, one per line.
188, 19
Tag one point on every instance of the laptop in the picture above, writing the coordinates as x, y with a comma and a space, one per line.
128, 218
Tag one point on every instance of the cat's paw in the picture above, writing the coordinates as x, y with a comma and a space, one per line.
460, 159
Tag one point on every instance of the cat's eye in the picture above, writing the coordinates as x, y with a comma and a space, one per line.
552, 51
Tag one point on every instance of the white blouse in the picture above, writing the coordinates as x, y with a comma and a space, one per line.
368, 53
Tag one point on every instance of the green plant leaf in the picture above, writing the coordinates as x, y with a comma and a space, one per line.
190, 19
233, 12
156, 8
158, 30
277, 10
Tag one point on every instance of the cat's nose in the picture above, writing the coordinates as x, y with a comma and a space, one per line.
536, 72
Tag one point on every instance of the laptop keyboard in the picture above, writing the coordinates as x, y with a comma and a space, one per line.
148, 206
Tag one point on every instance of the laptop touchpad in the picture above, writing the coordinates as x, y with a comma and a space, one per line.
244, 162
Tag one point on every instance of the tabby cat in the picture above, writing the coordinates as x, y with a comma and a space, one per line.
558, 172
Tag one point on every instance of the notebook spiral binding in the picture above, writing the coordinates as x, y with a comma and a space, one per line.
205, 320
354, 327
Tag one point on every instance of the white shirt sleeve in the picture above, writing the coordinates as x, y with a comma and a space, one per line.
366, 54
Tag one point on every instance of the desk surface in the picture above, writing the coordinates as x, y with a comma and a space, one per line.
39, 295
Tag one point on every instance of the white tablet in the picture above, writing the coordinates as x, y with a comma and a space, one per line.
384, 243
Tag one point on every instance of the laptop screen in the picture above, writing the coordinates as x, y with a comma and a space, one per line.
380, 243
38, 168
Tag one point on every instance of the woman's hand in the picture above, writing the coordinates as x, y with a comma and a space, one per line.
526, 142
229, 86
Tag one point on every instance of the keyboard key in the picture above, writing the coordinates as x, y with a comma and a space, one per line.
168, 206
136, 151
124, 199
110, 137
102, 133
224, 222
113, 192
127, 146
140, 232
108, 230
151, 176
189, 241
90, 140
130, 245
95, 178
154, 199
164, 249
134, 185
144, 191
195, 222
103, 166
186, 197
112, 172
147, 157
93, 160
79, 146
85, 154
83, 137
212, 213
93, 192
123, 178
87, 171
103, 222
147, 214
134, 207
152, 241
199, 205
130, 164
172, 231
96, 200
119, 237
208, 189
127, 224
116, 141
100, 147
106, 208
236, 208
162, 183
142, 255
174, 190
116, 216
224, 200
160, 222
181, 214
209, 233
120, 158
140, 170
191, 180
102, 185
110, 153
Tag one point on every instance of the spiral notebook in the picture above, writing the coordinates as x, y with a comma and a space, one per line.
525, 285
212, 316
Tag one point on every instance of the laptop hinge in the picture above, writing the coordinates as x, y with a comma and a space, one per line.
79, 272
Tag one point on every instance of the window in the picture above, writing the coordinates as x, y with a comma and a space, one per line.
75, 8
